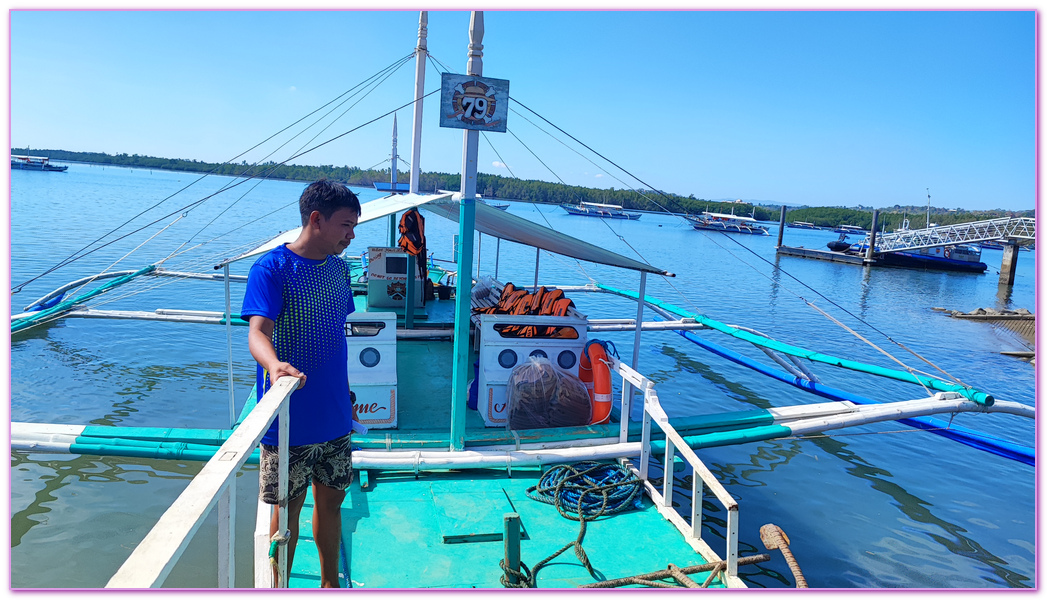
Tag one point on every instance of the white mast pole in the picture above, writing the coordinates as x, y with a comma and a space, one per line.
392, 184
466, 225
420, 53
928, 208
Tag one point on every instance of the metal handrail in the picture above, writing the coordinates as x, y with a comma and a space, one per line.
152, 561
1014, 228
692, 531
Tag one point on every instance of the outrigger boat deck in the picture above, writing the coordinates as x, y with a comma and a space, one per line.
35, 163
727, 223
595, 209
453, 496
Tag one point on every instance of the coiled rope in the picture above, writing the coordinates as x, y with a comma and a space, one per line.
581, 492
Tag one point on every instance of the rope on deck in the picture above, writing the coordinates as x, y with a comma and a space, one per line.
652, 579
589, 489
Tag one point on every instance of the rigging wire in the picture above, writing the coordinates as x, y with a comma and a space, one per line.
192, 205
852, 315
77, 255
637, 252
816, 308
898, 343
391, 71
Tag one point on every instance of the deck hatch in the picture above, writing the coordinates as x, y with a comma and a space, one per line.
470, 511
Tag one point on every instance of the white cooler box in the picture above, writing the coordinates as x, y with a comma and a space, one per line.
370, 338
499, 355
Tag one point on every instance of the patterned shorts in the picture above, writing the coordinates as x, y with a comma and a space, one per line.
331, 463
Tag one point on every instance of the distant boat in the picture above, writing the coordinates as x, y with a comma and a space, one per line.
959, 257
802, 225
727, 223
594, 209
399, 188
840, 245
991, 245
850, 229
498, 206
35, 163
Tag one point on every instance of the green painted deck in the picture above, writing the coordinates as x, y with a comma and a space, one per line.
444, 530
423, 373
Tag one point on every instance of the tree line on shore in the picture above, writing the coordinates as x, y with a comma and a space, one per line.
530, 190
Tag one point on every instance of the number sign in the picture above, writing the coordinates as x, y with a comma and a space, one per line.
468, 102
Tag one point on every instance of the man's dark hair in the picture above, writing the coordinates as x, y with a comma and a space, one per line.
326, 196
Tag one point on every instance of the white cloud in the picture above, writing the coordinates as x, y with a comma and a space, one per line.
292, 89
499, 164
599, 175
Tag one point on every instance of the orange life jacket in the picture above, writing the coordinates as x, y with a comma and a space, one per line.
412, 239
514, 301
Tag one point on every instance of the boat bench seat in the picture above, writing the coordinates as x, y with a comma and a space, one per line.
490, 300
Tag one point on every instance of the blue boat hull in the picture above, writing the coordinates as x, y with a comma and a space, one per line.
920, 261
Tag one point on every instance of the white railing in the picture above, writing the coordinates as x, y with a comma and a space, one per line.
702, 477
1014, 228
152, 561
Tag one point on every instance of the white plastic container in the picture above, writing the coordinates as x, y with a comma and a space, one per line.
499, 354
370, 339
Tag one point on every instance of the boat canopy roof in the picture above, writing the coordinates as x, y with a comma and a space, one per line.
724, 216
617, 206
369, 211
517, 229
489, 220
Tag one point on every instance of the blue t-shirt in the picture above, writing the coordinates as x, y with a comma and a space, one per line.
308, 301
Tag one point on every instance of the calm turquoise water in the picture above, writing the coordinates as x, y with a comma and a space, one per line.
872, 506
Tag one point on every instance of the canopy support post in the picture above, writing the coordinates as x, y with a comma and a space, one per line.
537, 255
466, 225
229, 347
627, 388
227, 501
497, 255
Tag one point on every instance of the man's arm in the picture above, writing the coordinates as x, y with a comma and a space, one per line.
260, 342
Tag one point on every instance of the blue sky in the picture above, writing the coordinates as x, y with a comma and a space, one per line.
804, 107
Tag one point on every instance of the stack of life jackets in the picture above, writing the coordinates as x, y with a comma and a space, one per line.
514, 301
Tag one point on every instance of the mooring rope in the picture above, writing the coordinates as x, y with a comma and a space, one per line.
583, 491
651, 579
275, 542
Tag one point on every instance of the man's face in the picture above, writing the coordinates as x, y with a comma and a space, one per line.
339, 230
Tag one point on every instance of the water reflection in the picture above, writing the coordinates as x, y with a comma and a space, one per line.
768, 456
66, 469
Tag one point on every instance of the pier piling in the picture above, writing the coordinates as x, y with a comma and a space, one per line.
1009, 264
872, 235
781, 228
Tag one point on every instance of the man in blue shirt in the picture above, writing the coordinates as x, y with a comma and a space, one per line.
298, 296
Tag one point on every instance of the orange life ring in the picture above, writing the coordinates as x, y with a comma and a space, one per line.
948, 252
596, 375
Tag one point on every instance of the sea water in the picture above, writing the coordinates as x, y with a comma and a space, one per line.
875, 506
